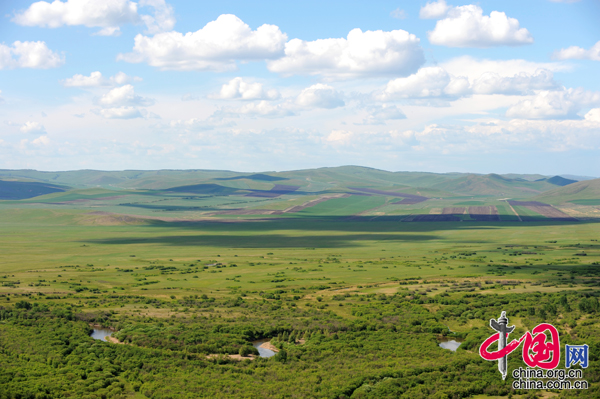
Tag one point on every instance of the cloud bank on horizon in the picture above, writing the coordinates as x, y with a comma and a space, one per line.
430, 85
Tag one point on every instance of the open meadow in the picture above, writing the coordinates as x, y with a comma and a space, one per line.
354, 289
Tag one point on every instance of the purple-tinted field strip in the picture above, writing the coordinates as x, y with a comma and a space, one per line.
551, 213
409, 198
545, 210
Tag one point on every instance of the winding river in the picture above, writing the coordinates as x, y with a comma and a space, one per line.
263, 352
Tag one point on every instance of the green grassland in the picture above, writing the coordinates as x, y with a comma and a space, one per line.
43, 243
355, 300
591, 202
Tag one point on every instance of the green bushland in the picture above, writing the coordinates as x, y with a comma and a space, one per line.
388, 348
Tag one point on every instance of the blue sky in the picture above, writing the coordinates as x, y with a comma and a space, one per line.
436, 86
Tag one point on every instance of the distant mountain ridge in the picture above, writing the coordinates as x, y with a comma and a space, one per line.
328, 180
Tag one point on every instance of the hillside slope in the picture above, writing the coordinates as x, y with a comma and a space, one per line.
494, 185
17, 190
580, 191
317, 181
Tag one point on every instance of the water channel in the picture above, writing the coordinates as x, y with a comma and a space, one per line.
101, 333
450, 344
263, 352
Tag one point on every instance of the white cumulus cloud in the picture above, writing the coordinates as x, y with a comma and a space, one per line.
217, 46
123, 96
42, 140
119, 113
237, 88
578, 53
163, 19
29, 55
32, 127
320, 96
564, 104
361, 54
96, 80
265, 109
193, 124
437, 82
473, 68
428, 82
498, 135
108, 15
378, 114
434, 10
521, 83
340, 137
593, 115
466, 26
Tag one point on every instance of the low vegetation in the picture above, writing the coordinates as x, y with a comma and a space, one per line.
355, 296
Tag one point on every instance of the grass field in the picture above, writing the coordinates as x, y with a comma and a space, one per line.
589, 202
356, 297
43, 244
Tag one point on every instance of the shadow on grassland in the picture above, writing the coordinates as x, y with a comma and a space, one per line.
354, 224
314, 232
266, 240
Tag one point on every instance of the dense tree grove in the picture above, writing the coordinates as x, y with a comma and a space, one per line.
387, 347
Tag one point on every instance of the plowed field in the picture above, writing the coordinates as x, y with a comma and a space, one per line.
453, 211
484, 213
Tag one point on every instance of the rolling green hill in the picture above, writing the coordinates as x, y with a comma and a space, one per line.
135, 179
494, 185
310, 181
587, 190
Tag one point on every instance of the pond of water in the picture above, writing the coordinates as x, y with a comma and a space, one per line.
263, 352
101, 333
450, 344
